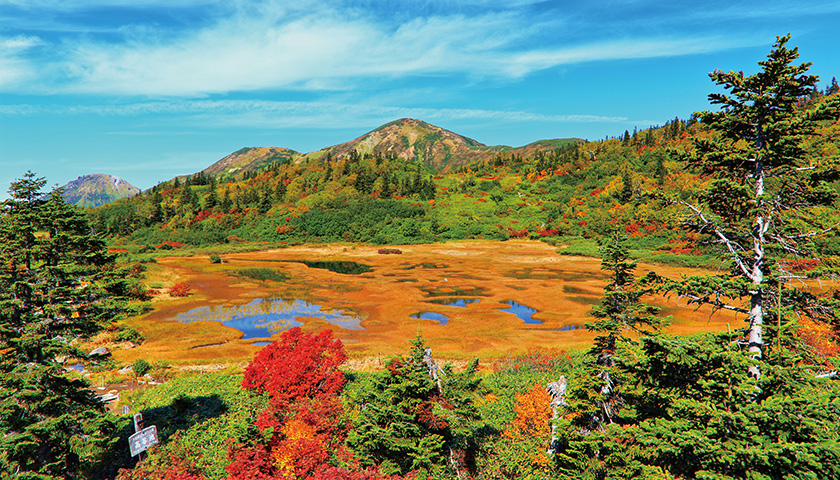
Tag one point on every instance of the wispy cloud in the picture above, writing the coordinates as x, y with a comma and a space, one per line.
14, 68
276, 114
318, 46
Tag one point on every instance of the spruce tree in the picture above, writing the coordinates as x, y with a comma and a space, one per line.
417, 417
57, 285
398, 429
761, 207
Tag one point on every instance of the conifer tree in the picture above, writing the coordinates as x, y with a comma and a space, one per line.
57, 285
211, 200
619, 312
760, 206
626, 193
408, 418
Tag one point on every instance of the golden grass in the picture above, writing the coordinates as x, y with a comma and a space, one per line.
561, 288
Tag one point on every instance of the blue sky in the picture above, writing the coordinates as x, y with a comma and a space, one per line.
149, 89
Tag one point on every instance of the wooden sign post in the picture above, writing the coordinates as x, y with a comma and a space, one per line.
143, 438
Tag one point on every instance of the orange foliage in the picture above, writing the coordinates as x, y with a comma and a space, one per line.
819, 336
532, 423
533, 412
301, 450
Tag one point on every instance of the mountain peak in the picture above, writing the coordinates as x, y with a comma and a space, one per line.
412, 139
97, 189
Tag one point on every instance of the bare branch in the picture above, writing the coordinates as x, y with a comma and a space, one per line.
730, 245
716, 303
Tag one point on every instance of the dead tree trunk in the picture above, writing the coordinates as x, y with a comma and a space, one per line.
557, 392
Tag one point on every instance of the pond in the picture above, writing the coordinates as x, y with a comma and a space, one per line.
521, 311
454, 302
440, 318
262, 318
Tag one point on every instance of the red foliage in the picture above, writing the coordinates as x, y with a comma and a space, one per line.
519, 233
181, 289
388, 251
800, 264
172, 244
202, 215
542, 359
596, 192
300, 374
117, 250
426, 416
300, 365
254, 463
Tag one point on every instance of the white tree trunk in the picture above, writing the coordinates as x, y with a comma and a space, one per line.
755, 342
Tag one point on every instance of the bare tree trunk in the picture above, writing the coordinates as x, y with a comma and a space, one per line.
557, 392
755, 342
434, 374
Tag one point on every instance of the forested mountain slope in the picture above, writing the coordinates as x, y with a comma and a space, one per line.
543, 190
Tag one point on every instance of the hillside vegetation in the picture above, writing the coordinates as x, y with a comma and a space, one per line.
389, 190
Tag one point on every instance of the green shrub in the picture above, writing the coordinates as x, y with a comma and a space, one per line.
127, 334
260, 274
215, 258
141, 367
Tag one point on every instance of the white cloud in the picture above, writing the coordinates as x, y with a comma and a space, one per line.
524, 63
315, 46
14, 69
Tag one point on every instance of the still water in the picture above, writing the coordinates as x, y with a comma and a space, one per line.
521, 311
262, 318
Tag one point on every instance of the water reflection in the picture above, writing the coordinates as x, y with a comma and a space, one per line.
264, 317
521, 311
441, 319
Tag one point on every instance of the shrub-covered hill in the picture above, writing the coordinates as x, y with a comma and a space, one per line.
435, 148
544, 190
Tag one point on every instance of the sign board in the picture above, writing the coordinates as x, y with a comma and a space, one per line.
142, 440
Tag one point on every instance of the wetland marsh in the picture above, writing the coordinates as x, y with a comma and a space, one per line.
468, 299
